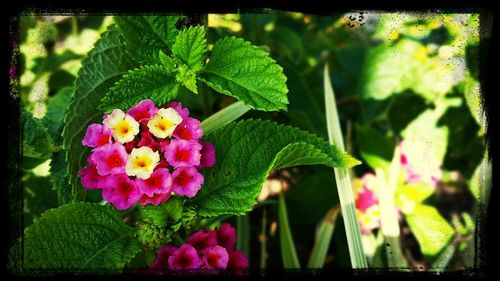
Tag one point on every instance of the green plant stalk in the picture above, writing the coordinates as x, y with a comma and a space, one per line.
263, 240
243, 234
444, 258
388, 216
342, 178
323, 238
288, 252
224, 116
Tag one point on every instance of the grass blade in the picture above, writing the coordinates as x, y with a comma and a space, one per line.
344, 186
224, 116
323, 238
263, 241
288, 252
243, 234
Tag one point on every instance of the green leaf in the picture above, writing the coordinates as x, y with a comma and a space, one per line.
79, 237
243, 71
190, 47
56, 108
323, 238
243, 234
410, 195
36, 141
224, 116
59, 177
375, 148
442, 261
432, 231
342, 178
154, 82
37, 197
288, 252
105, 64
145, 36
247, 151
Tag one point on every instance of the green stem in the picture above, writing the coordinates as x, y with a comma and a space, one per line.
224, 117
243, 234
323, 238
263, 240
288, 252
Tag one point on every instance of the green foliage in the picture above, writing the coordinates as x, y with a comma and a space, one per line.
60, 178
247, 151
152, 81
145, 36
243, 71
105, 64
375, 148
79, 237
37, 143
288, 252
432, 231
38, 197
190, 47
56, 108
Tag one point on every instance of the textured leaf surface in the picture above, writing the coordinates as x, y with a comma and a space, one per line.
37, 142
149, 82
145, 36
432, 231
56, 108
190, 47
105, 64
241, 70
59, 177
79, 236
247, 151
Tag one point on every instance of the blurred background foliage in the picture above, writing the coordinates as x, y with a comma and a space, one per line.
396, 76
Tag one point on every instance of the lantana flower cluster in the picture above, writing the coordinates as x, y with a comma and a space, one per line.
366, 188
205, 251
146, 154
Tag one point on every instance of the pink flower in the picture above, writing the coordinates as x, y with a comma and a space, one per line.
182, 111
160, 181
162, 164
207, 152
96, 135
90, 178
202, 239
131, 145
110, 158
237, 263
164, 145
215, 257
186, 181
365, 199
121, 191
183, 153
147, 140
226, 236
188, 129
184, 258
143, 110
161, 261
156, 199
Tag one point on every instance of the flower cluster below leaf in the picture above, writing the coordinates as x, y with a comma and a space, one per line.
146, 154
205, 251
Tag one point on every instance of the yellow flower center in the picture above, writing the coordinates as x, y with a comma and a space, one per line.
123, 126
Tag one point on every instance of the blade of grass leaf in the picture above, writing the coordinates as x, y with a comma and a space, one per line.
344, 185
263, 240
224, 116
323, 238
243, 235
288, 252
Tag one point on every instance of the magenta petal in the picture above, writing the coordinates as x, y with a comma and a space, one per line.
183, 112
202, 239
160, 181
215, 257
207, 159
90, 178
161, 261
143, 110
188, 129
96, 135
121, 191
156, 199
226, 236
365, 199
147, 140
183, 153
237, 263
184, 258
186, 181
110, 158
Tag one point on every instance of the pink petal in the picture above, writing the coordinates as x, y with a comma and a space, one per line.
183, 112
161, 261
156, 199
226, 236
143, 110
96, 135
186, 181
90, 178
237, 263
110, 158
160, 181
207, 159
147, 140
215, 257
184, 258
121, 191
183, 153
202, 239
188, 129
